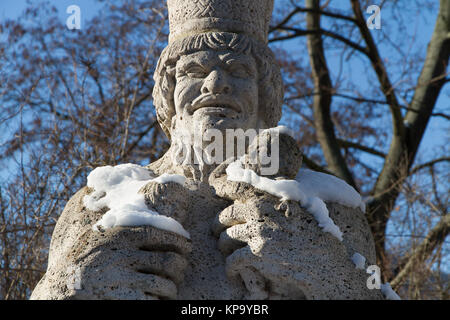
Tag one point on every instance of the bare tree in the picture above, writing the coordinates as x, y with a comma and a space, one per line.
335, 131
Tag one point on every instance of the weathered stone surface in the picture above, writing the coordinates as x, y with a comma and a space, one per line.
244, 242
289, 163
119, 263
283, 243
251, 238
196, 16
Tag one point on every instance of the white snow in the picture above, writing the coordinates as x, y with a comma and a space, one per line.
117, 189
280, 129
387, 291
165, 178
329, 188
359, 260
310, 188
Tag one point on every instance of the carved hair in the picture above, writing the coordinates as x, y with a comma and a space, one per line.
270, 82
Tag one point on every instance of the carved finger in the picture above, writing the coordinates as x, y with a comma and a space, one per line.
170, 199
255, 284
147, 238
165, 264
230, 190
112, 281
239, 260
234, 238
154, 285
219, 174
230, 216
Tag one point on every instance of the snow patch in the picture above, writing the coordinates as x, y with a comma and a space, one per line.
280, 130
310, 188
359, 260
329, 188
165, 178
387, 291
117, 189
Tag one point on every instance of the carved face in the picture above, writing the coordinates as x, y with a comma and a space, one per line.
216, 89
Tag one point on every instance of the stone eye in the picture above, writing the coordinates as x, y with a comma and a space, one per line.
240, 71
196, 72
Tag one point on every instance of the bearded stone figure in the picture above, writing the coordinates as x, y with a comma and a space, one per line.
217, 72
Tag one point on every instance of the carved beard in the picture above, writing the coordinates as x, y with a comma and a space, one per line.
187, 150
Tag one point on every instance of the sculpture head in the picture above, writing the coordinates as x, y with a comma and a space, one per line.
217, 80
217, 72
218, 56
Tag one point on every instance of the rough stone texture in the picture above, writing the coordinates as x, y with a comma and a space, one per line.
289, 163
244, 243
250, 250
119, 263
244, 16
283, 244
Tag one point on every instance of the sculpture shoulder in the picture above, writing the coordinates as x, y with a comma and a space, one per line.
75, 211
74, 220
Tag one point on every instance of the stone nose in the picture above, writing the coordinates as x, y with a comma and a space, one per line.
216, 82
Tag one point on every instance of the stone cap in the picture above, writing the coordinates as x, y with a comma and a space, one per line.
191, 17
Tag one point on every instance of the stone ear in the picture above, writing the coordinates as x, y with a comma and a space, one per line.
163, 97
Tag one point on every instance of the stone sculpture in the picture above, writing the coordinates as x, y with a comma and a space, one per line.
216, 73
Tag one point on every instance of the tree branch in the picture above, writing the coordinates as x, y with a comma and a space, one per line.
380, 70
314, 165
434, 238
318, 11
428, 164
442, 115
431, 80
404, 147
301, 32
322, 101
354, 145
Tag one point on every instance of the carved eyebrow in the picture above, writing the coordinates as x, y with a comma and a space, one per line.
245, 63
236, 61
188, 64
243, 60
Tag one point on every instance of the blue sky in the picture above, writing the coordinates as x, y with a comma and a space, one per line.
13, 8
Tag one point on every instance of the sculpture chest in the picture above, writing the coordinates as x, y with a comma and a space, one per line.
205, 277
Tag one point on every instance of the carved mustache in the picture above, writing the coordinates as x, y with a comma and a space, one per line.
212, 100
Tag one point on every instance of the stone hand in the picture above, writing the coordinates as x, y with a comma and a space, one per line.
263, 246
275, 246
130, 263
170, 199
118, 263
141, 262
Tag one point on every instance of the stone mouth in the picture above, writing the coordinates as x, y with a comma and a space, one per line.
216, 104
